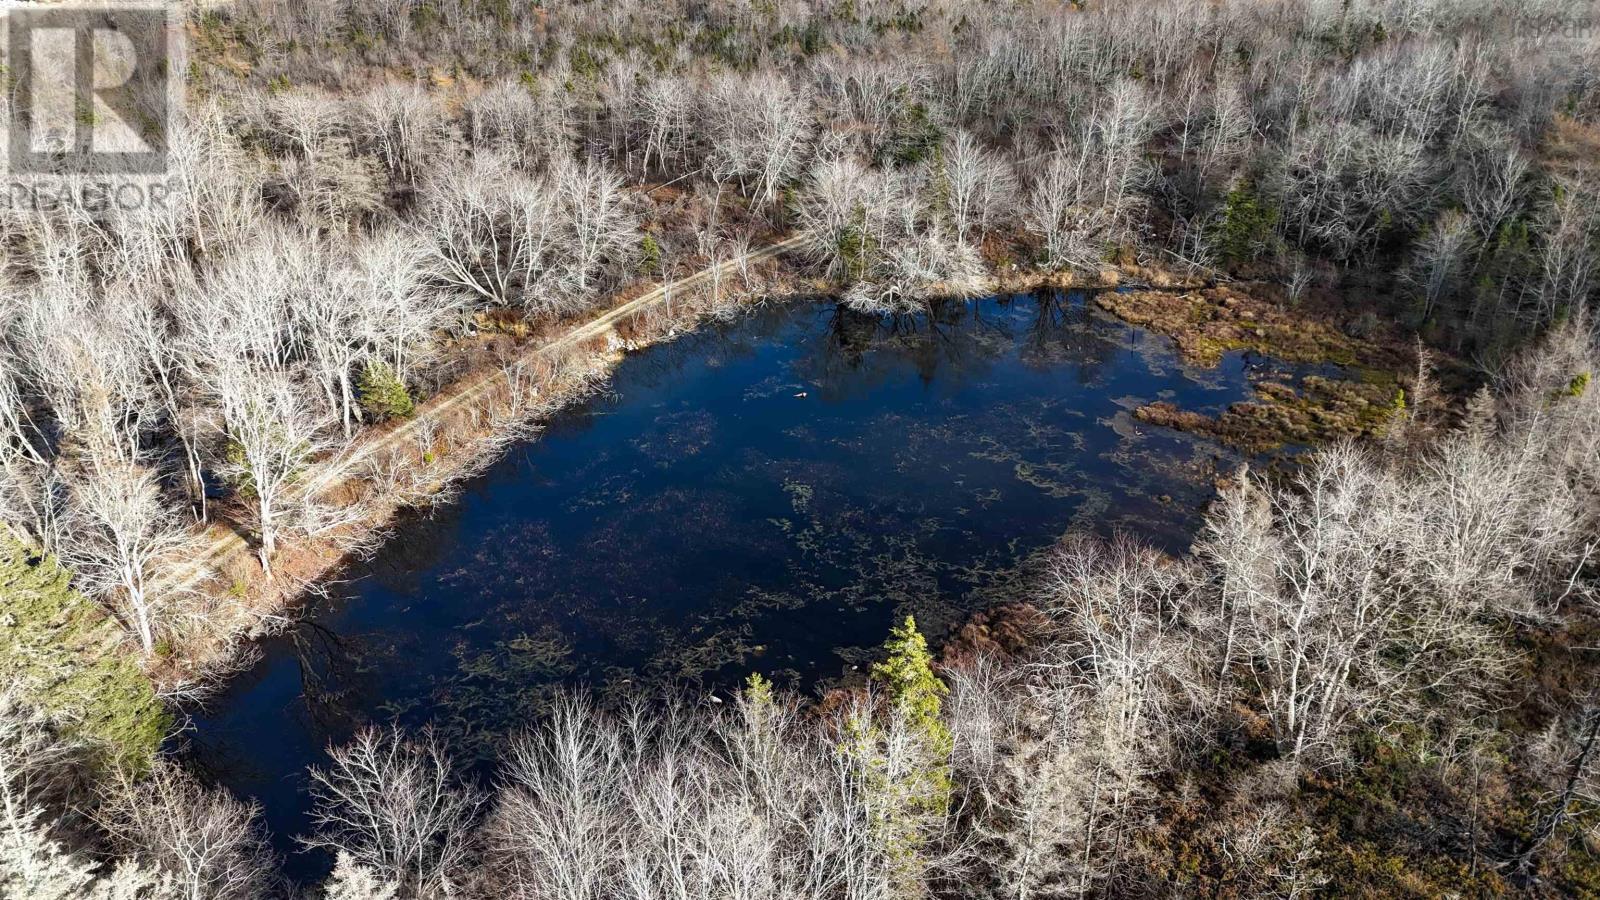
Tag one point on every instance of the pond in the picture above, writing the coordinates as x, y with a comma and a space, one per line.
767, 494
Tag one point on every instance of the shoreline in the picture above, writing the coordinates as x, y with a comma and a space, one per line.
466, 425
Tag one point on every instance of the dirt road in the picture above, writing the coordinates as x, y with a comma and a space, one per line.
222, 544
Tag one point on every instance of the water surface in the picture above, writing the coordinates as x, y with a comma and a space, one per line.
763, 495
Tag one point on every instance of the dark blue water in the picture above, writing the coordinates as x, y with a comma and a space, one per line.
765, 495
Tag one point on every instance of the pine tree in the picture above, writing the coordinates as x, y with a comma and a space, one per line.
54, 644
903, 759
757, 692
758, 707
649, 256
915, 691
383, 394
1246, 225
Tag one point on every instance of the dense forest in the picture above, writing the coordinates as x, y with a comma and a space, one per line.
1370, 674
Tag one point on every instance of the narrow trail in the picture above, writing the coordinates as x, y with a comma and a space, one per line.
221, 543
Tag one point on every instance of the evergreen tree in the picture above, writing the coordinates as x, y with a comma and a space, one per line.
1247, 225
903, 761
383, 394
57, 646
915, 691
649, 256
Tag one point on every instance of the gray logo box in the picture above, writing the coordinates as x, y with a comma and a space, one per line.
90, 92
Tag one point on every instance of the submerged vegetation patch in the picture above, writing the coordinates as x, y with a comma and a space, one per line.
1356, 400
1321, 410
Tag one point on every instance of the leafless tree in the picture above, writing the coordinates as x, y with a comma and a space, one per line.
210, 843
406, 125
401, 315
272, 433
35, 862
758, 128
124, 534
543, 242
352, 881
1319, 598
1570, 749
1437, 262
981, 185
1343, 182
602, 226
1492, 181
1059, 212
88, 370
393, 805
530, 126
869, 96
306, 121
1125, 655
557, 829
666, 111
1567, 265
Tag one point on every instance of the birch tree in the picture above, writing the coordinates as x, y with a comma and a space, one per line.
124, 535
272, 434
981, 187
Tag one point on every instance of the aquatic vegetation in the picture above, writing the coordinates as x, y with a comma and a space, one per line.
705, 519
1206, 324
1321, 410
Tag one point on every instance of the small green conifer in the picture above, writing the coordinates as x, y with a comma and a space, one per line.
383, 394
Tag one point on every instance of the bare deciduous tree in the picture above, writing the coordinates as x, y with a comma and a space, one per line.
272, 433
758, 128
602, 226
981, 185
407, 126
1435, 269
393, 805
210, 844
124, 534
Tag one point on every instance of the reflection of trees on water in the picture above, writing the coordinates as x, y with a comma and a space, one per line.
850, 336
738, 338
329, 664
1064, 328
861, 351
417, 540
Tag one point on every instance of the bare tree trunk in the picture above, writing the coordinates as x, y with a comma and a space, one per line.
1552, 821
1088, 837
